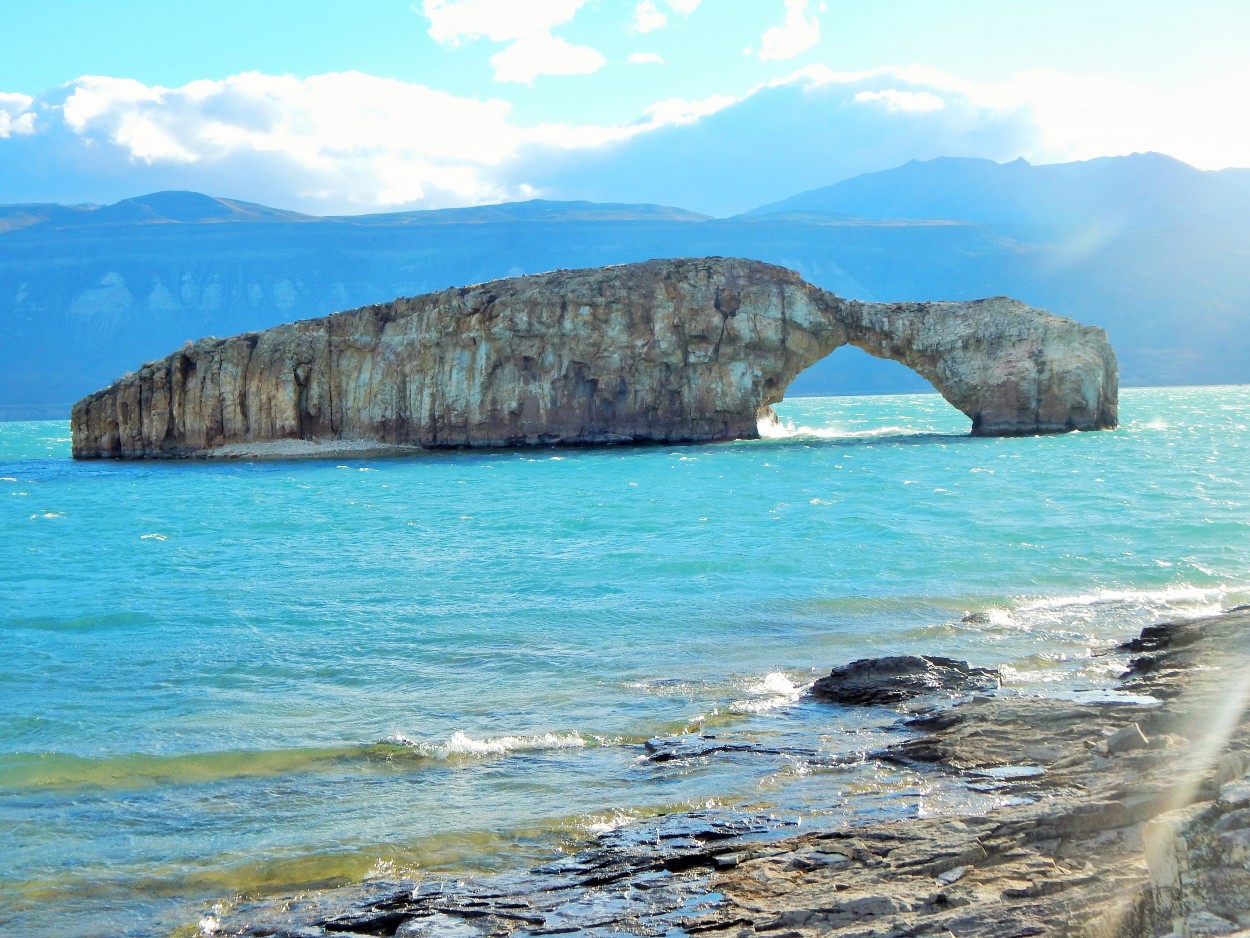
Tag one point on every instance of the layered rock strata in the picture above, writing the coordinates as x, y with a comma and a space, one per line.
665, 350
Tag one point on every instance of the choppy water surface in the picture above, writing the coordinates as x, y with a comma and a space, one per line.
225, 678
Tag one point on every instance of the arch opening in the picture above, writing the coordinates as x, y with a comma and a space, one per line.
849, 371
821, 400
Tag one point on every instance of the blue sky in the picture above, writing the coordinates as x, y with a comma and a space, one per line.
715, 105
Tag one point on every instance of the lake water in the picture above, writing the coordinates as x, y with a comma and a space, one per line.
254, 677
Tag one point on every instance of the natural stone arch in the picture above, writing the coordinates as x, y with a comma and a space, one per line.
1010, 368
673, 351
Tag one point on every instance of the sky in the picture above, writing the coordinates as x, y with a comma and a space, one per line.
711, 105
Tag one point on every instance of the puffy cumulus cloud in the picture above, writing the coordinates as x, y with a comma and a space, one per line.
322, 116
532, 49
797, 33
335, 143
16, 116
645, 58
131, 115
452, 21
544, 54
341, 141
648, 17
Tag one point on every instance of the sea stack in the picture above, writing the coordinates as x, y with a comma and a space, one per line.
661, 351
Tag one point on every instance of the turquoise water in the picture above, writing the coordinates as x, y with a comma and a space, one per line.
251, 677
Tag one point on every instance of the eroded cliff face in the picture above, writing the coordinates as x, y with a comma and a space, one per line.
666, 350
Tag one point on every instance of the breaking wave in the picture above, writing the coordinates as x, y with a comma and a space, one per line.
771, 692
462, 744
773, 429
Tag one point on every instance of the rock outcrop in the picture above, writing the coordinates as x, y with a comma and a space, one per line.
894, 679
666, 350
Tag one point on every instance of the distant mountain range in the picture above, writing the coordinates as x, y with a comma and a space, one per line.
1153, 250
1143, 190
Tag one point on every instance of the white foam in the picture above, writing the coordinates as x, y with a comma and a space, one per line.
1001, 618
773, 429
1013, 675
606, 825
1167, 596
771, 692
461, 743
994, 617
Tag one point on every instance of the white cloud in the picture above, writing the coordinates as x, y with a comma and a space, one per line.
1084, 116
498, 20
645, 58
347, 138
333, 143
532, 50
896, 100
16, 116
1079, 116
677, 111
544, 54
350, 142
648, 17
133, 115
798, 32
684, 7
726, 154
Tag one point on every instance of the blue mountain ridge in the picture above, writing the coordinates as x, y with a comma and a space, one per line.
1149, 248
1129, 191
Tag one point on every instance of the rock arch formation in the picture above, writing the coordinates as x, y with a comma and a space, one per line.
665, 350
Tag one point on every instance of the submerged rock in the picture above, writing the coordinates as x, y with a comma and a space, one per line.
662, 351
890, 680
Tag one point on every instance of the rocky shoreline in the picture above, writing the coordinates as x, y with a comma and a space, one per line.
1115, 817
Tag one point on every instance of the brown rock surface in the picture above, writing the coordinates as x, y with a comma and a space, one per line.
665, 350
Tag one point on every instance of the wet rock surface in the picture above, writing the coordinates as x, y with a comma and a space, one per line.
1077, 835
647, 879
895, 679
684, 746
